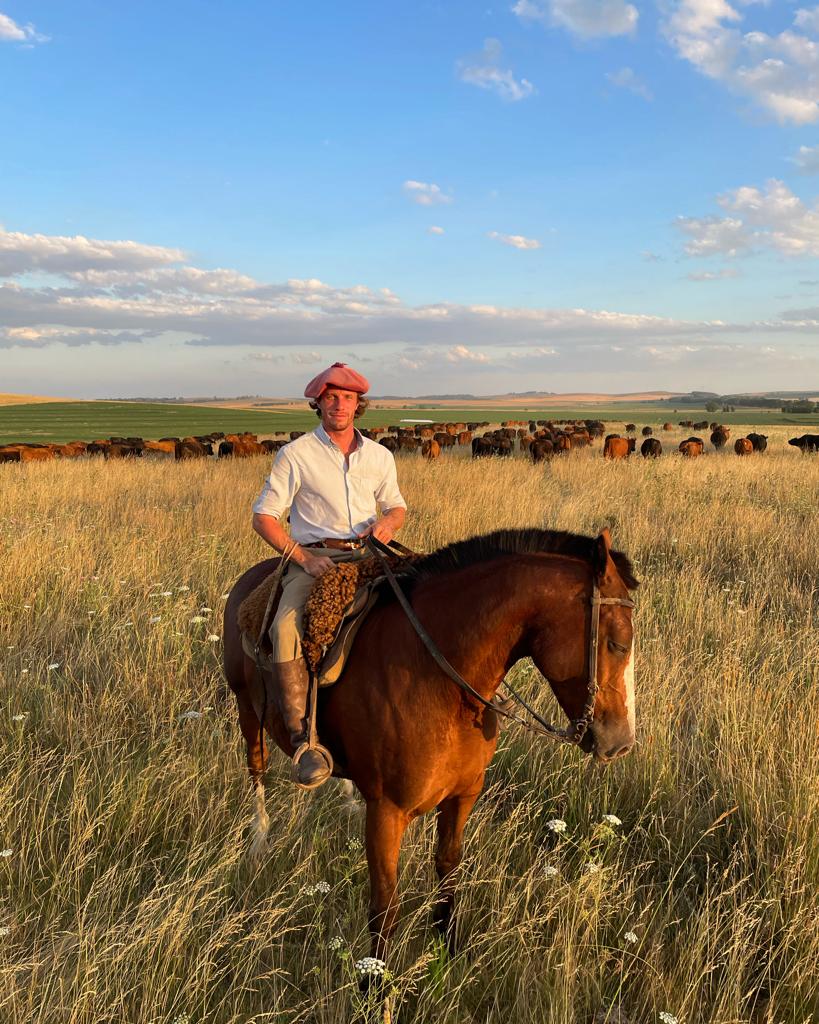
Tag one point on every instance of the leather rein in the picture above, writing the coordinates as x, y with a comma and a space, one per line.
578, 726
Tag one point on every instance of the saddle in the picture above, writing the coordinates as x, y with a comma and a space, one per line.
337, 607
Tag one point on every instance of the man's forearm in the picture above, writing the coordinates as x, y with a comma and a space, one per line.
271, 530
395, 517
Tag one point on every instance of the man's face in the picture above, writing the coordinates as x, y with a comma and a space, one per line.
337, 408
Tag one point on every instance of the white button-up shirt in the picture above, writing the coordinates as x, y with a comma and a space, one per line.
326, 496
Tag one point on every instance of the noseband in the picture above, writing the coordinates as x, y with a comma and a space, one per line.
579, 726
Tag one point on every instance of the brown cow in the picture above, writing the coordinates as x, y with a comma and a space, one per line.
242, 446
742, 446
692, 448
161, 447
618, 447
190, 448
464, 437
541, 450
430, 449
668, 426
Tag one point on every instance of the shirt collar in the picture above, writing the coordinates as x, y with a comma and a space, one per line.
325, 438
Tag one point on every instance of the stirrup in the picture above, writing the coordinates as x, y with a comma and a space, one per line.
299, 754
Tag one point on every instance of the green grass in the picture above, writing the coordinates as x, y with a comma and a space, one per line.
85, 421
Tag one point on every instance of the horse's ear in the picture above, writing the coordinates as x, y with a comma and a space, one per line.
602, 548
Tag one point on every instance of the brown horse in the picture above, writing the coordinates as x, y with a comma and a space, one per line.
406, 735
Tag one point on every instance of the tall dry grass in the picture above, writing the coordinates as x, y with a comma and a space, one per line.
127, 896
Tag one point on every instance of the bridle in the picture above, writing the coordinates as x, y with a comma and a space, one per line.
578, 727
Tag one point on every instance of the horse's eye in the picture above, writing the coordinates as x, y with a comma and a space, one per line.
620, 648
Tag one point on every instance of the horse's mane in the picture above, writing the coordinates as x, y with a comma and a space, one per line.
463, 553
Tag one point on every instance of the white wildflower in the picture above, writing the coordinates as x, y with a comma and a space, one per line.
354, 845
592, 868
371, 965
611, 819
213, 637
155, 618
21, 717
550, 871
184, 588
24, 671
630, 937
6, 853
668, 1018
198, 618
204, 609
207, 707
335, 943
53, 665
4, 931
167, 593
188, 715
318, 889
556, 825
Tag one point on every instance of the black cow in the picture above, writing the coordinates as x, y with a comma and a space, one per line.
390, 443
759, 441
806, 443
646, 432
651, 448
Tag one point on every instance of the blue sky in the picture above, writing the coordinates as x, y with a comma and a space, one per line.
203, 198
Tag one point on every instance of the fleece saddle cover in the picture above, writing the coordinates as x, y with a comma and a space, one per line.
335, 611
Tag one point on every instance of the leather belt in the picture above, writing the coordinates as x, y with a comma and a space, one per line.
334, 542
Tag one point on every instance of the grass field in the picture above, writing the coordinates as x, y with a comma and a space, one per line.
85, 421
126, 893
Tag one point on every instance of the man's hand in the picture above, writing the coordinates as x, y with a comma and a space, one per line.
386, 527
317, 565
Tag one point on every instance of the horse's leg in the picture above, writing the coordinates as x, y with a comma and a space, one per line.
257, 765
452, 815
385, 829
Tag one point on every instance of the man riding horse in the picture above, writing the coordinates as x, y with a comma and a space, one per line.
333, 480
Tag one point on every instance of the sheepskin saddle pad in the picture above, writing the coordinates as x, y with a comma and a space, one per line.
336, 609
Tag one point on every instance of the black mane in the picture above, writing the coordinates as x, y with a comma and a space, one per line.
463, 553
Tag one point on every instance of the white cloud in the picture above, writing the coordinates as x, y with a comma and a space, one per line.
584, 18
294, 358
11, 32
425, 193
460, 354
516, 241
713, 275
807, 160
435, 230
780, 73
485, 72
774, 219
20, 254
625, 78
188, 320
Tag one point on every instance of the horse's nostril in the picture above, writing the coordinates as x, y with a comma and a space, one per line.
614, 752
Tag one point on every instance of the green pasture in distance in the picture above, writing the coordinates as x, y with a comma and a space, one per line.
84, 421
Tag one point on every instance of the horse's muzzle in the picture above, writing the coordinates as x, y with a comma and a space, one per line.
607, 745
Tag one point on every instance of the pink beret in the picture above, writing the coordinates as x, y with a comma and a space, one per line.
339, 375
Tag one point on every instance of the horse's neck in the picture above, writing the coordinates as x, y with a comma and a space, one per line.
486, 610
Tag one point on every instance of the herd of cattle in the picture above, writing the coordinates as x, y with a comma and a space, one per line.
540, 439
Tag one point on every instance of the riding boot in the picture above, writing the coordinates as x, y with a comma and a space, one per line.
293, 688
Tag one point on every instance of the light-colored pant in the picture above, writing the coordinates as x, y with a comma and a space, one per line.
287, 629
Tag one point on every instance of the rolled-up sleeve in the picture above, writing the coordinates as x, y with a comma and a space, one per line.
387, 494
279, 488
